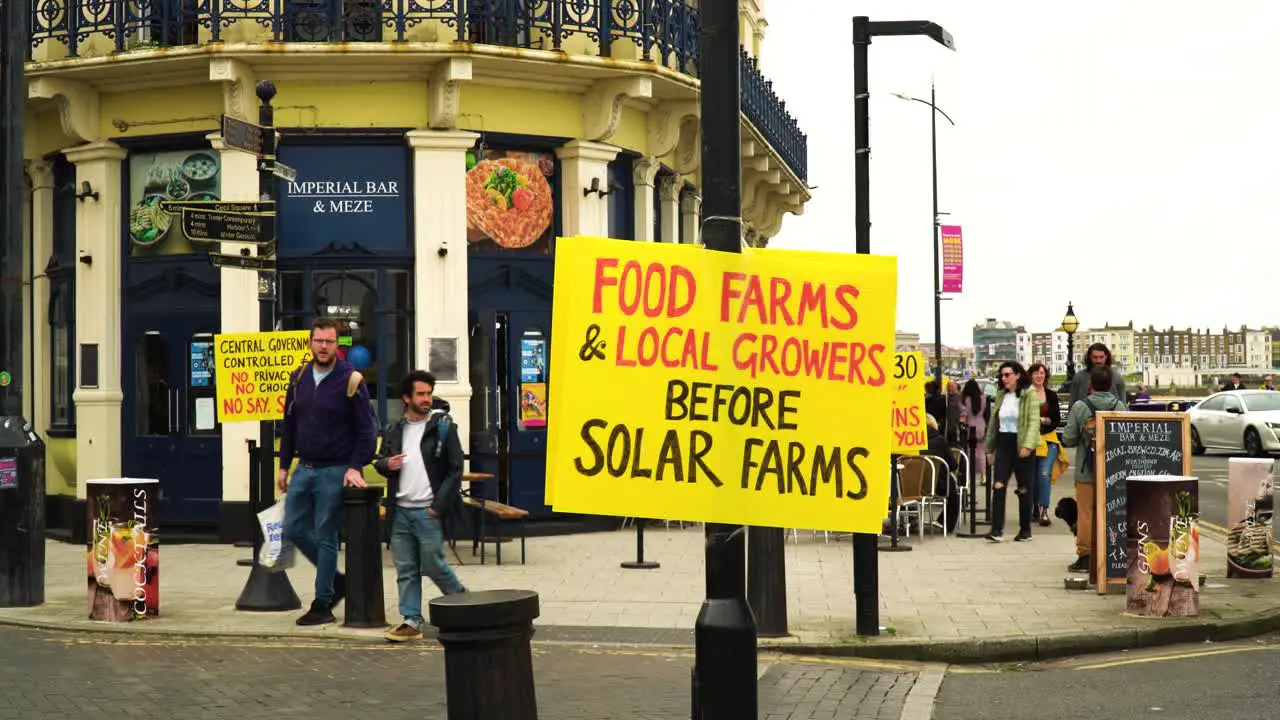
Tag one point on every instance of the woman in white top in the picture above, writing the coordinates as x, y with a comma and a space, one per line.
1012, 439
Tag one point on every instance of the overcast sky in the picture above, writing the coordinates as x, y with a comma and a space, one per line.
1104, 153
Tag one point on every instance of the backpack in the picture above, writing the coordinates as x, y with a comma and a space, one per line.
1089, 432
353, 383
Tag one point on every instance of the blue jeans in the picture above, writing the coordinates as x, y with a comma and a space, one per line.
312, 519
1044, 475
417, 549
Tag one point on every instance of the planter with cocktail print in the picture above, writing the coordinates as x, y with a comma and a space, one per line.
123, 556
1164, 547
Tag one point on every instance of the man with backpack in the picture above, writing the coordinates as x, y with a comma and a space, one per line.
329, 426
1079, 432
421, 457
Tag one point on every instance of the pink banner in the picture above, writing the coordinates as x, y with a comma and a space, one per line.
952, 259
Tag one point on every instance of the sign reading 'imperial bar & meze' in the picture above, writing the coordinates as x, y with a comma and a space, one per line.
345, 195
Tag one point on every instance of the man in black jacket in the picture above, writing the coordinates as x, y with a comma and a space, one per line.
421, 457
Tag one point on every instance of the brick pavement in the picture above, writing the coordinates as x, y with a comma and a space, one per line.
949, 589
59, 675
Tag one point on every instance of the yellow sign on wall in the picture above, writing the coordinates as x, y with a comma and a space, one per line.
252, 372
717, 387
910, 434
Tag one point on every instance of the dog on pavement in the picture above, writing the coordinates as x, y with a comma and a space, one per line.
1067, 512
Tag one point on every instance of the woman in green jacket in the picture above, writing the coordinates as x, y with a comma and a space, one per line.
1013, 434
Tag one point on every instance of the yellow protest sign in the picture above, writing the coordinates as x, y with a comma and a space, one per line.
697, 385
252, 372
910, 434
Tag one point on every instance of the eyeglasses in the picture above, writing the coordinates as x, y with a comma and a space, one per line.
323, 342
1007, 373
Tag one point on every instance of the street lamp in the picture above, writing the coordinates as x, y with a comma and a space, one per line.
1069, 326
866, 582
937, 226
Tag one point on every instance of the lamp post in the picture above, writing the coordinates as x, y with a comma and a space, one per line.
1069, 326
866, 591
935, 111
724, 673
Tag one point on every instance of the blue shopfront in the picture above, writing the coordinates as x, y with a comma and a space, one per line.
346, 250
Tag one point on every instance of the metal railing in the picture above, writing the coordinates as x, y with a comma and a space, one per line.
663, 31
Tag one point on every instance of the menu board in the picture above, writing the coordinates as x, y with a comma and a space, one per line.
1130, 444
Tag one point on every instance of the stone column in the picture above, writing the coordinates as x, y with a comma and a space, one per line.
644, 172
669, 187
41, 248
580, 162
98, 304
691, 216
440, 264
239, 311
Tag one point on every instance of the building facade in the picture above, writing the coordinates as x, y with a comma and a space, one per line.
1205, 350
994, 342
397, 118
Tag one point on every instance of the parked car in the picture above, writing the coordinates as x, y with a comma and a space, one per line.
1239, 420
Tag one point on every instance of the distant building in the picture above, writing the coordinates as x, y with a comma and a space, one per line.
906, 342
1193, 349
994, 342
1119, 339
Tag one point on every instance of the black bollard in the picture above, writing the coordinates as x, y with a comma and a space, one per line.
487, 656
365, 606
767, 580
640, 563
973, 494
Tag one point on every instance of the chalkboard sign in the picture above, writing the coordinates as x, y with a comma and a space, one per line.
1130, 443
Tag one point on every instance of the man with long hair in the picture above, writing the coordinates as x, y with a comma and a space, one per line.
1098, 355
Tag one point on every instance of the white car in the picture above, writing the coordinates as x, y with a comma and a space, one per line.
1247, 420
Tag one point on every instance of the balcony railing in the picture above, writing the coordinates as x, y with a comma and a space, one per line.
661, 31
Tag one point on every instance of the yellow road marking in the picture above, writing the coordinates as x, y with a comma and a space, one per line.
430, 646
1175, 656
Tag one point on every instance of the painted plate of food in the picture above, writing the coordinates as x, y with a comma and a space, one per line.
509, 200
148, 221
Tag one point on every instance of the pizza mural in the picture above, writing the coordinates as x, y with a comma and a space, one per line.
510, 205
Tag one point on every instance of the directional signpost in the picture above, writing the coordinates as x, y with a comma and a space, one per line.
241, 135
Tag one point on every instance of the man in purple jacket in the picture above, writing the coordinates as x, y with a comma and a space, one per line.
332, 433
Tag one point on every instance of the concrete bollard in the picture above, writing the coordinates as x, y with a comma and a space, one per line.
365, 606
488, 659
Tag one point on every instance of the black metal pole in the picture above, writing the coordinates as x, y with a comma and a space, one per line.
266, 591
971, 444
1071, 354
640, 563
725, 631
894, 515
15, 43
866, 560
936, 241
767, 580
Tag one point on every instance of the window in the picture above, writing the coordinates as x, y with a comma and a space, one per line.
1213, 404
61, 274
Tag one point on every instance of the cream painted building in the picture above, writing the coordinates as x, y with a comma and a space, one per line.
395, 117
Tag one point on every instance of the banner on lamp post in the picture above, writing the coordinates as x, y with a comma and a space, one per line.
952, 259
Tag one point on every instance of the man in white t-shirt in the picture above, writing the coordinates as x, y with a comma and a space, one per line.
421, 457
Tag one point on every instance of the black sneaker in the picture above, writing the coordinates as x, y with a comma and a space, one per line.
1022, 537
339, 590
994, 538
319, 614
1081, 565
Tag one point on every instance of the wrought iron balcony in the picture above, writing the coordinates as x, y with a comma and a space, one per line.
661, 31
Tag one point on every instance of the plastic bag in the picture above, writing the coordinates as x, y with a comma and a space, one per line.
277, 554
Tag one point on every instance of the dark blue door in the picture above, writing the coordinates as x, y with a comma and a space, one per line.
169, 417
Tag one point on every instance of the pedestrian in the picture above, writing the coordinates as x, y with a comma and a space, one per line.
1078, 431
1098, 355
935, 403
973, 411
1267, 384
1047, 453
329, 427
951, 431
421, 457
1011, 448
1235, 384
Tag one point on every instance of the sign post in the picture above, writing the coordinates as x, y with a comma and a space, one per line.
264, 591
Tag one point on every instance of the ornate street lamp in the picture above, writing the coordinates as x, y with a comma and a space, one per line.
1069, 325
